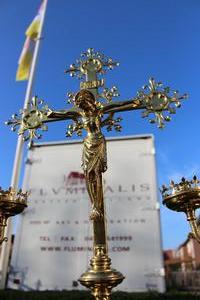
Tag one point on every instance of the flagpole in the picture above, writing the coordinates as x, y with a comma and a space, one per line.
5, 250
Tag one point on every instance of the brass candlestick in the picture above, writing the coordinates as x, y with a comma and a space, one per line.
12, 202
92, 110
184, 197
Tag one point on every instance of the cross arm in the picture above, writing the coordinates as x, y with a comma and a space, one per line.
35, 117
120, 106
153, 99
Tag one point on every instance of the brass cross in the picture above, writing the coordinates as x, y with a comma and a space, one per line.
92, 109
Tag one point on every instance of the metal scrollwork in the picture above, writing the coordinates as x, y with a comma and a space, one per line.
109, 94
111, 123
70, 97
76, 126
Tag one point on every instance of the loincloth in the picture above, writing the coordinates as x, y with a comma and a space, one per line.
94, 155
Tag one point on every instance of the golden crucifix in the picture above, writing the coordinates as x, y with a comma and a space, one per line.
92, 110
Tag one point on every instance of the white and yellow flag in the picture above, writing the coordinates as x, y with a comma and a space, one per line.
32, 32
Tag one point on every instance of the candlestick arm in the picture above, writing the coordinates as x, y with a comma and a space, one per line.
3, 224
195, 228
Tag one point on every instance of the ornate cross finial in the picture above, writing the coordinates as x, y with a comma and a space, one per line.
91, 61
159, 100
30, 120
89, 68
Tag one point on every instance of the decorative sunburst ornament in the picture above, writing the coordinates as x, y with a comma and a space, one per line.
160, 101
30, 119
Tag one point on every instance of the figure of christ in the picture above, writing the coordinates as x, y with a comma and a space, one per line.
94, 156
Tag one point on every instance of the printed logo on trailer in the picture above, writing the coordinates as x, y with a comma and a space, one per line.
74, 178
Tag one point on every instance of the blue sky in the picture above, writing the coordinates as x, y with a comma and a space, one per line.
149, 38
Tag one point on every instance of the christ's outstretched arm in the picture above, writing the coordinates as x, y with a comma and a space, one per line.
119, 106
72, 114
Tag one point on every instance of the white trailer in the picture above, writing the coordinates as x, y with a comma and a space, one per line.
53, 243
